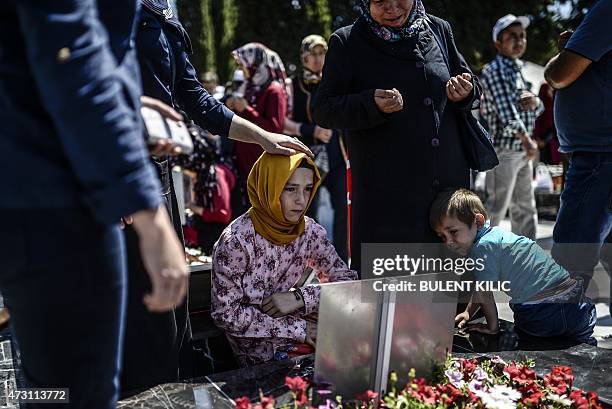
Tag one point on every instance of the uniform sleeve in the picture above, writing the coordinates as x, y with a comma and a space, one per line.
271, 116
98, 126
328, 265
202, 107
229, 308
335, 105
593, 38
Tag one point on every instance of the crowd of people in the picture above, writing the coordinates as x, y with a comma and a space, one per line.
99, 238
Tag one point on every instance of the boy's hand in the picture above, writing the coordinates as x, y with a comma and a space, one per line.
462, 319
280, 304
483, 328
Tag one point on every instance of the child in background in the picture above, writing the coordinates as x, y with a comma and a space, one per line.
546, 301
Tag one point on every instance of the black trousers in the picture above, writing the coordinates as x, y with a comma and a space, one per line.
62, 275
158, 347
335, 183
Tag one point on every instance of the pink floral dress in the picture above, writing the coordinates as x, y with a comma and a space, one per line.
248, 268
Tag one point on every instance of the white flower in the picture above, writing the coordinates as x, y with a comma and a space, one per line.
499, 397
503, 392
475, 386
563, 400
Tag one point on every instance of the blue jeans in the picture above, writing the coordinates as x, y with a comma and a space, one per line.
583, 231
573, 321
63, 278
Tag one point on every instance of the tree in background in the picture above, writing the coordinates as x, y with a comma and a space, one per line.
218, 26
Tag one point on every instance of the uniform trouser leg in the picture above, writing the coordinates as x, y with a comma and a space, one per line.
500, 184
509, 186
63, 274
584, 221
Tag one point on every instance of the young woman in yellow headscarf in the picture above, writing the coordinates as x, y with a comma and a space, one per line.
260, 258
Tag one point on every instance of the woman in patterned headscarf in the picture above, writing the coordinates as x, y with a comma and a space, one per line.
386, 81
261, 99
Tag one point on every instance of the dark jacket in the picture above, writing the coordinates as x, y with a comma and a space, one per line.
399, 161
167, 73
69, 88
303, 98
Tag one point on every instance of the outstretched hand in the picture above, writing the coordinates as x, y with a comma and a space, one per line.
280, 144
459, 87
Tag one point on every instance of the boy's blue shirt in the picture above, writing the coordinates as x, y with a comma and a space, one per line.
517, 259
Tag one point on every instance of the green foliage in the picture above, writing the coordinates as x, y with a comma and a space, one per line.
218, 26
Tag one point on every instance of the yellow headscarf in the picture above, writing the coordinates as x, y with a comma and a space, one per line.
266, 182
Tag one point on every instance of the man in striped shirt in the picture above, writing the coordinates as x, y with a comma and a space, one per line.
510, 109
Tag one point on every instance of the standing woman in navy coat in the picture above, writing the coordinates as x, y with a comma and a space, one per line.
157, 347
385, 82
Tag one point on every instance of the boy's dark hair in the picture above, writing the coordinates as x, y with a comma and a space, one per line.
460, 203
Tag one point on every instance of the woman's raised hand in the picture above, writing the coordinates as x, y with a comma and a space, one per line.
459, 87
388, 100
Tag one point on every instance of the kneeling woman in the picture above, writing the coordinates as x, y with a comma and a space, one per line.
260, 258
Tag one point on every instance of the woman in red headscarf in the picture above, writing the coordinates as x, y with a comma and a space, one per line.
261, 99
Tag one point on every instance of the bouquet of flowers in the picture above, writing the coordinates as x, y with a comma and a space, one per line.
459, 383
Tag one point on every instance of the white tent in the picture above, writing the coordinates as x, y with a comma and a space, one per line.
533, 73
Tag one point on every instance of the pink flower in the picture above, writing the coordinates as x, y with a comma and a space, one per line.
298, 387
368, 396
243, 403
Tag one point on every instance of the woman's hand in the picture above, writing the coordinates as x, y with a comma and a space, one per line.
280, 304
311, 333
388, 100
279, 144
237, 104
459, 87
322, 134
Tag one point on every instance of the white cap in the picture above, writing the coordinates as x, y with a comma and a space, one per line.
506, 21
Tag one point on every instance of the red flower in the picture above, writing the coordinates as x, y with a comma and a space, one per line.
298, 387
468, 367
593, 400
243, 403
296, 384
557, 383
367, 396
449, 394
423, 392
520, 374
532, 394
580, 402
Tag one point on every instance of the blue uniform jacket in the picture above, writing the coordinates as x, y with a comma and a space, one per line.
167, 74
70, 131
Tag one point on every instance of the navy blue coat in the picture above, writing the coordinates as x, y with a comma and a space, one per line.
70, 133
399, 161
168, 75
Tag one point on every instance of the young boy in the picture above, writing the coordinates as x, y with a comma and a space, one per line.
511, 109
546, 302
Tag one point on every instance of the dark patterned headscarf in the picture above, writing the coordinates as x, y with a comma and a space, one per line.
263, 66
160, 7
415, 22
